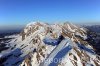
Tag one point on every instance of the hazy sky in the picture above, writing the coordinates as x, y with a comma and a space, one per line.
20, 12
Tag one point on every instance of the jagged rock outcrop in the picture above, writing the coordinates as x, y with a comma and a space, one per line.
40, 42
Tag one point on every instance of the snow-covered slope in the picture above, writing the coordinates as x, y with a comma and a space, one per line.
42, 44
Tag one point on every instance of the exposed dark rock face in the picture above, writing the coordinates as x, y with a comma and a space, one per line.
94, 37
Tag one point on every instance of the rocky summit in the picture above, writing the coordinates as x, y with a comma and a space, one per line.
43, 44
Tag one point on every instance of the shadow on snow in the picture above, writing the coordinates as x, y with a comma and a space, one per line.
53, 42
86, 49
12, 59
60, 55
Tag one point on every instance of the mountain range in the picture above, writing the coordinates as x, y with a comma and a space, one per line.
43, 44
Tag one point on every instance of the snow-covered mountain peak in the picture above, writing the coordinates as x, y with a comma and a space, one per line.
40, 42
52, 28
35, 23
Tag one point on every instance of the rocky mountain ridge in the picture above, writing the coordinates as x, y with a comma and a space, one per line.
40, 42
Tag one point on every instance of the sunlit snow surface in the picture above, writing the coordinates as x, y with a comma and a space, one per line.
39, 44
